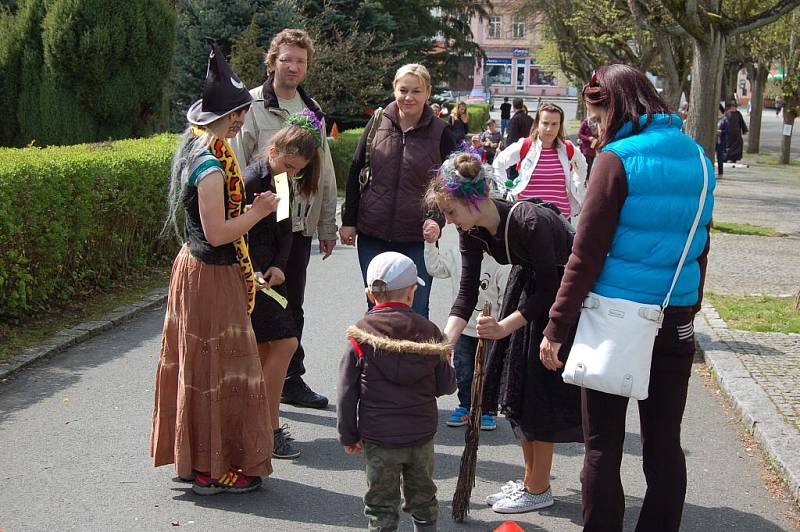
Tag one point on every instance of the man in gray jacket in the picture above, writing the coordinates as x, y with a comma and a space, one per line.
287, 61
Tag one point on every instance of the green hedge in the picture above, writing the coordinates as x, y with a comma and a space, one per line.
478, 116
76, 218
342, 150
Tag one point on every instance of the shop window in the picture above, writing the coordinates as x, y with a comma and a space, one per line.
498, 73
540, 75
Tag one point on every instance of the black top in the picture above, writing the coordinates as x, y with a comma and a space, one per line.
539, 239
193, 229
505, 111
458, 129
270, 240
519, 127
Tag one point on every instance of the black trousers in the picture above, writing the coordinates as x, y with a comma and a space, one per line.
296, 289
663, 459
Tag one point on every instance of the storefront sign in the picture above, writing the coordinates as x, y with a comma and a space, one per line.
520, 52
498, 61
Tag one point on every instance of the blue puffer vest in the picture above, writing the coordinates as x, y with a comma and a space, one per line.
665, 180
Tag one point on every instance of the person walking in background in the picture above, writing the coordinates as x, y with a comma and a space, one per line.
536, 240
736, 127
459, 123
505, 116
587, 136
395, 366
382, 209
294, 150
628, 245
289, 56
722, 139
492, 140
548, 165
519, 127
220, 442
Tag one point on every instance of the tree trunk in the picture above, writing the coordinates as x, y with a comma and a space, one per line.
707, 63
757, 85
789, 114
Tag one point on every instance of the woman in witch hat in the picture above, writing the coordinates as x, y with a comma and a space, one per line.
210, 395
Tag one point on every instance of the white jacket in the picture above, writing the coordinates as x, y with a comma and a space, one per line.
446, 263
575, 168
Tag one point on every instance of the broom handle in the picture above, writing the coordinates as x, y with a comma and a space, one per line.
477, 376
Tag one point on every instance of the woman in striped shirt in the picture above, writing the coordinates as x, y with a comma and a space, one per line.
549, 165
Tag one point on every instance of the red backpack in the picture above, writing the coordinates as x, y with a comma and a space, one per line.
526, 147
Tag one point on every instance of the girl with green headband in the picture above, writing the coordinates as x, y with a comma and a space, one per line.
293, 150
533, 237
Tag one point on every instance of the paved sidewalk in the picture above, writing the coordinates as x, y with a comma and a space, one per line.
760, 371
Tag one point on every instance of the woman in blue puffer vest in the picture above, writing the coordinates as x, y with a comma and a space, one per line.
645, 190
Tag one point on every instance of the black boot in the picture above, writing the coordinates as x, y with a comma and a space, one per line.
296, 392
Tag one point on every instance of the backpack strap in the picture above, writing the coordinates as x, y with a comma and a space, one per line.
570, 149
365, 176
523, 152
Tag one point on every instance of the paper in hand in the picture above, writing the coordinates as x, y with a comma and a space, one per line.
282, 189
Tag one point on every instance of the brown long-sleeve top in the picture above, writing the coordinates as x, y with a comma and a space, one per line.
596, 228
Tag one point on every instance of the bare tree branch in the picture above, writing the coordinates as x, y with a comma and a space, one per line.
761, 19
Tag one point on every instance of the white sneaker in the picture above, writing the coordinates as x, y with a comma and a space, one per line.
523, 501
505, 490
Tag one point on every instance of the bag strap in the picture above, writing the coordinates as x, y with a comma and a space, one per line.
570, 149
508, 222
693, 229
377, 117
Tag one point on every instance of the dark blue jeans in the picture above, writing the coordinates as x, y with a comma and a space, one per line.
464, 364
369, 247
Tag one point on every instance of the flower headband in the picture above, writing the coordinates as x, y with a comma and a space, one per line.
455, 184
307, 120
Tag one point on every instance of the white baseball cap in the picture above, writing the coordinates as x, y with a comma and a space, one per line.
394, 271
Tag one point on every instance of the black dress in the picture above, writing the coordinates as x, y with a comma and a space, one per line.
537, 402
269, 242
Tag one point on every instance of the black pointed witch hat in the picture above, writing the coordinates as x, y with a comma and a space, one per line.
223, 91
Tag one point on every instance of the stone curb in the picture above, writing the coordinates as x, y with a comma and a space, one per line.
81, 332
757, 412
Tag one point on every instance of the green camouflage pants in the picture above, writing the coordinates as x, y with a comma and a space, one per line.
387, 471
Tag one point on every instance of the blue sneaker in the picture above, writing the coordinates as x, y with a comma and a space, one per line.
459, 417
488, 422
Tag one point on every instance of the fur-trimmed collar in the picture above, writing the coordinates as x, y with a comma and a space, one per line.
431, 347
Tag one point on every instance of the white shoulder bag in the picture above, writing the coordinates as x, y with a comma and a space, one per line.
613, 346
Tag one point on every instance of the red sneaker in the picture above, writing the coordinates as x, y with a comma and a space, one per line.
231, 482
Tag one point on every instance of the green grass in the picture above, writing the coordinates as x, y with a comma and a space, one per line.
734, 228
15, 337
758, 313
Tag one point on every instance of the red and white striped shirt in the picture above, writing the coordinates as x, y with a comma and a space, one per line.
548, 182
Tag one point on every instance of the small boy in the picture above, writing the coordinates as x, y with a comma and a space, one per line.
389, 378
477, 147
492, 140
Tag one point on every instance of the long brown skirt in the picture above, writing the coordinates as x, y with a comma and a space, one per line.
210, 410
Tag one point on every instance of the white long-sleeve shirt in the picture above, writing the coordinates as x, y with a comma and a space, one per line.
446, 264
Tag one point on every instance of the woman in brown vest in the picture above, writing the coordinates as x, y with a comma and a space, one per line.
383, 205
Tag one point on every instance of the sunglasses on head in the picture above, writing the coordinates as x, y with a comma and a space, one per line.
594, 82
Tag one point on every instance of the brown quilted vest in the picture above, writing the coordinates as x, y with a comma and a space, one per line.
402, 164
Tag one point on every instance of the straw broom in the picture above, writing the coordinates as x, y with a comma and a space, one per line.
469, 458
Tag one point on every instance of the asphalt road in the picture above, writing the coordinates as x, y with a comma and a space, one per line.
74, 434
